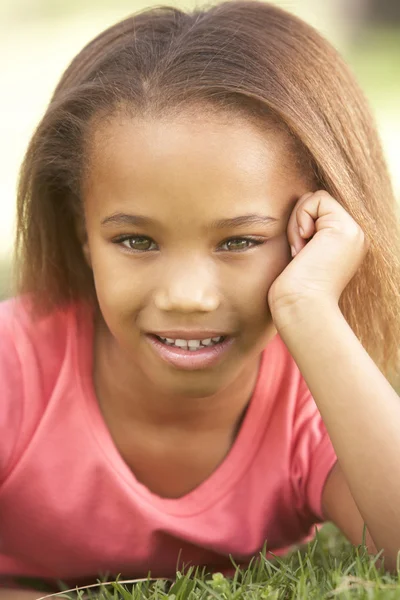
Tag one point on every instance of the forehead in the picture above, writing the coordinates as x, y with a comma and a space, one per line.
200, 160
120, 137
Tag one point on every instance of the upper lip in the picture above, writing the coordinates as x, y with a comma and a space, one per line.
189, 335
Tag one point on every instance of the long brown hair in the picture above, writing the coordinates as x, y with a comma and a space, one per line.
241, 55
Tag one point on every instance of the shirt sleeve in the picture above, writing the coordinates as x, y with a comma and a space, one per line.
11, 401
32, 352
313, 457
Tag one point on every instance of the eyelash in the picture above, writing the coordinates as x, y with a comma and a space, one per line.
120, 240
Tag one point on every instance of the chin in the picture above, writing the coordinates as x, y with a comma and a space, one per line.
193, 385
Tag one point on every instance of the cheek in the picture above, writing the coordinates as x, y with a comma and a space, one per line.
268, 265
119, 287
280, 257
121, 295
256, 281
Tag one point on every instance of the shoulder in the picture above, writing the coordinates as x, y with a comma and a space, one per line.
34, 338
18, 319
30, 346
33, 351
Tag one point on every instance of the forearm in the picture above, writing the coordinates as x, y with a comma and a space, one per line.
360, 409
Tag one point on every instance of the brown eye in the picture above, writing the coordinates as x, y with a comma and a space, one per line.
241, 244
137, 243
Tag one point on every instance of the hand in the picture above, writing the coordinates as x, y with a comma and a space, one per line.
327, 253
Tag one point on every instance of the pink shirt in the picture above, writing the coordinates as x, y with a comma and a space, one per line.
70, 508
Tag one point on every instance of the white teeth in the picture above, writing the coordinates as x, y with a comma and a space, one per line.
191, 345
194, 344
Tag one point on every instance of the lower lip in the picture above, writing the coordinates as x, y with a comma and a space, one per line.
190, 360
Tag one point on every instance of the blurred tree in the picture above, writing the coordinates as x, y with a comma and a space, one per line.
371, 12
385, 12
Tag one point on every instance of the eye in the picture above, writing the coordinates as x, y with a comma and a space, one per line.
142, 243
242, 244
137, 243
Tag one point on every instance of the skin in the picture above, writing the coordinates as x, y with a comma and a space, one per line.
206, 169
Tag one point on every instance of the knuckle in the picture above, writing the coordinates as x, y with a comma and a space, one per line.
323, 194
354, 232
358, 232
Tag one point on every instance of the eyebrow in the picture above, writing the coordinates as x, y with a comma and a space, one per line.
138, 220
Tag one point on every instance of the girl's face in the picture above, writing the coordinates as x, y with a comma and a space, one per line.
174, 243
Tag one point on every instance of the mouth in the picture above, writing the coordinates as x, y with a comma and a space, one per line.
190, 354
191, 345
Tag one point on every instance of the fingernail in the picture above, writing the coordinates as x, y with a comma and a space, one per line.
293, 250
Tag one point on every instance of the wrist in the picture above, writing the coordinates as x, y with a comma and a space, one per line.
314, 312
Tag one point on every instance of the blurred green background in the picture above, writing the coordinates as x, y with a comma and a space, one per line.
38, 38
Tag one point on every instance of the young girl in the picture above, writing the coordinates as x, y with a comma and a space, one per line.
198, 356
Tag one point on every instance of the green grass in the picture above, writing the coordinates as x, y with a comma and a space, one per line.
327, 567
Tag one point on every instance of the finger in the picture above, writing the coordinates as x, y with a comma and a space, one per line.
305, 223
302, 224
293, 235
321, 207
296, 226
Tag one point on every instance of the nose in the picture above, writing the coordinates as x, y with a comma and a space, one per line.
188, 286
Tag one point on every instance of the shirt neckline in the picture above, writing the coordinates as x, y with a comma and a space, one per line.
222, 479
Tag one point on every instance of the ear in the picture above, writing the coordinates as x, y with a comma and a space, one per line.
83, 239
